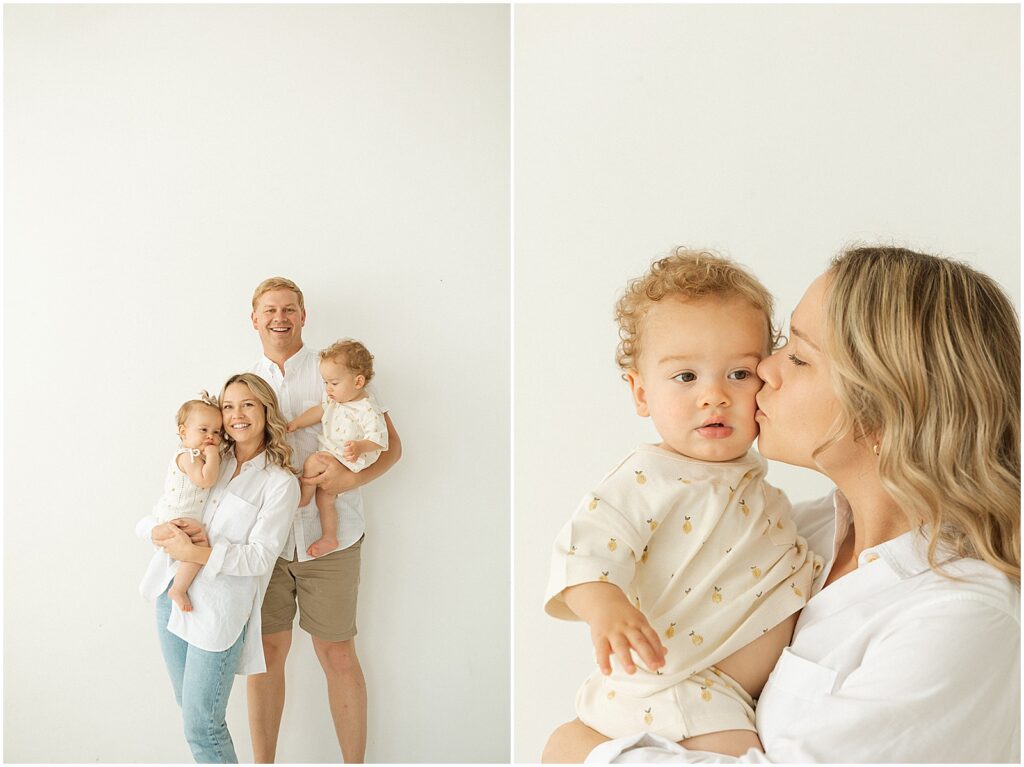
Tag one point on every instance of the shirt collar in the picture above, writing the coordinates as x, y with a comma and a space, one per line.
296, 359
258, 461
906, 554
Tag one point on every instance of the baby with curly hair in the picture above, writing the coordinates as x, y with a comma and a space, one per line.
354, 430
683, 554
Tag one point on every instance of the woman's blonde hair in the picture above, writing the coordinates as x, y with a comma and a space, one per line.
275, 431
687, 274
926, 362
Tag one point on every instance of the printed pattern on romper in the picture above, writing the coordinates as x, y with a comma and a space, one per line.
708, 551
343, 421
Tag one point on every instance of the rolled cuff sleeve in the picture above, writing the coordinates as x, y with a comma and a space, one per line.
597, 544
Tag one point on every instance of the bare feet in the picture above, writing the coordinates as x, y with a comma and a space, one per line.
324, 545
180, 598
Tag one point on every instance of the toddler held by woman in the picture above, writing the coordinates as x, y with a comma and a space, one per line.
192, 472
683, 548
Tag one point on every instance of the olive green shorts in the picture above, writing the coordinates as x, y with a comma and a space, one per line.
325, 589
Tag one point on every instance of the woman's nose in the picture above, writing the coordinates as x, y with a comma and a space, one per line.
767, 369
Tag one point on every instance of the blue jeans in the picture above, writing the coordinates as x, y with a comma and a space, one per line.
202, 683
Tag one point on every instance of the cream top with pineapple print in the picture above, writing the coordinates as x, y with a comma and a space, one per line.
358, 419
708, 551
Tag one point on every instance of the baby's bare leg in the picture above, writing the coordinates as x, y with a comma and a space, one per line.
187, 572
328, 540
311, 468
730, 742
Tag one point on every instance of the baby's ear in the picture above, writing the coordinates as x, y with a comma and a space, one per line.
360, 381
636, 386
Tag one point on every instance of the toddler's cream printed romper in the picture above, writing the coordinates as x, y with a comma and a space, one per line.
709, 553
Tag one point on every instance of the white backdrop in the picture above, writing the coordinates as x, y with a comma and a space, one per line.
161, 161
776, 135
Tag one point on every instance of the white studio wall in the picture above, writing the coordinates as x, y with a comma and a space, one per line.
774, 134
160, 162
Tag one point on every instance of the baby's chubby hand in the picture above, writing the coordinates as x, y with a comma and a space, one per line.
616, 627
348, 451
291, 426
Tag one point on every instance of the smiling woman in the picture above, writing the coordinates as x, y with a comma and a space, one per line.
246, 520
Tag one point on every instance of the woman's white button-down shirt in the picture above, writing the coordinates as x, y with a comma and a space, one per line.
247, 520
891, 663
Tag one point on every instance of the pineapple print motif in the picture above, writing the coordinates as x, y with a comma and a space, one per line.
796, 591
684, 481
716, 595
612, 544
705, 693
744, 508
611, 695
671, 630
687, 525
755, 571
640, 478
653, 523
643, 556
593, 503
696, 638
604, 576
648, 717
572, 551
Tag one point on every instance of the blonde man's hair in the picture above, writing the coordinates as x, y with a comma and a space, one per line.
205, 400
925, 355
686, 274
275, 432
277, 283
353, 355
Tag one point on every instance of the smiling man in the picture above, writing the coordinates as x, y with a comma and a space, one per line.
325, 588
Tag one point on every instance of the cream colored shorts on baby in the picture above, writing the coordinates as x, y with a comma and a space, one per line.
708, 701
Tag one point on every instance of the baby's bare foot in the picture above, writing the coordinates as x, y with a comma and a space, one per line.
324, 545
180, 598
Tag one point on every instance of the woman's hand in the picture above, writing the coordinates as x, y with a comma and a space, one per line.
615, 626
192, 529
177, 544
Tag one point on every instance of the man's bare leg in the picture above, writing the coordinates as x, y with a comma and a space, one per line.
346, 691
571, 743
265, 694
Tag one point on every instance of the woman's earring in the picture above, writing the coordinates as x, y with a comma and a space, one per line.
875, 449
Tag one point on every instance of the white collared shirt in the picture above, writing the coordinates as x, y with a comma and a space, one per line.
298, 389
891, 663
247, 520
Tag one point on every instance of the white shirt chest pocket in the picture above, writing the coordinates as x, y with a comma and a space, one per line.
794, 685
233, 520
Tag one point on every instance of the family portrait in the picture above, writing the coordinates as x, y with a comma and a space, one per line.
512, 383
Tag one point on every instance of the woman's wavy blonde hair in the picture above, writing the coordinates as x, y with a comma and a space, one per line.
275, 431
925, 356
688, 274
